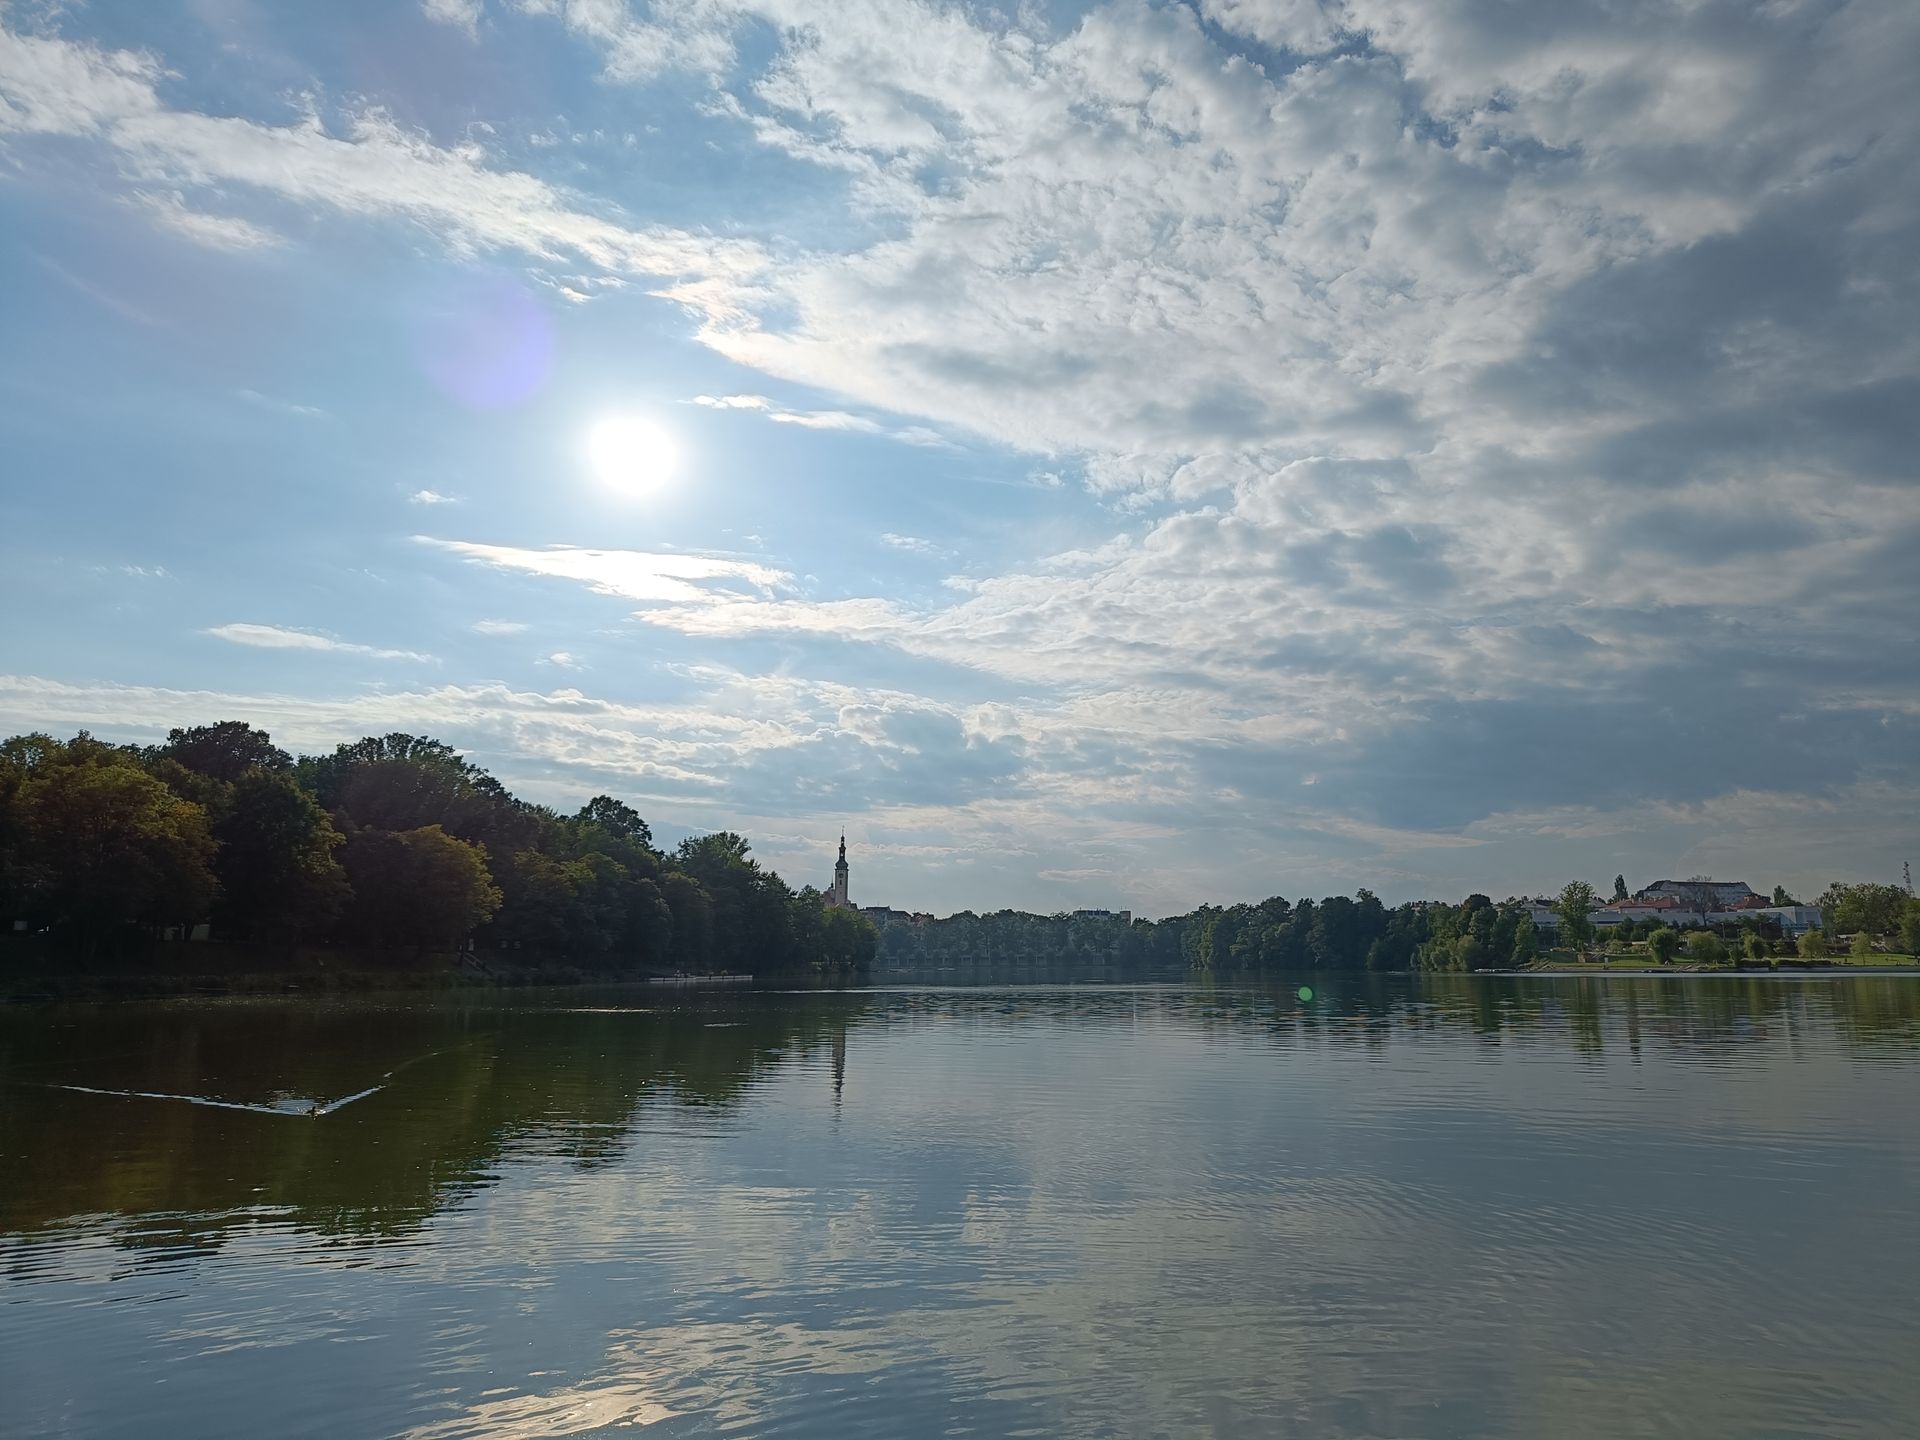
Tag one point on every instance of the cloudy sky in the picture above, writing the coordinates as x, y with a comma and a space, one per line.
1120, 455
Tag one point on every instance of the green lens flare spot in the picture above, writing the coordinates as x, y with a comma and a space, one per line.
1306, 992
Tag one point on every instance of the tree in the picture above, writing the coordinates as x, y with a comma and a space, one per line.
691, 909
1813, 945
278, 869
617, 819
225, 751
1862, 943
1706, 948
1910, 928
1699, 893
1526, 942
20, 756
106, 845
1664, 943
1619, 887
1874, 909
419, 887
1754, 947
1781, 897
1575, 908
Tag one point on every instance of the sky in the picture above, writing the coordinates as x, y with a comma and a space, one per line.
1121, 455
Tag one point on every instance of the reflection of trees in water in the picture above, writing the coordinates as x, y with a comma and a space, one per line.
471, 1085
1591, 1013
467, 1087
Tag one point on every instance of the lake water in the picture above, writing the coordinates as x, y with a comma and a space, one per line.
1445, 1207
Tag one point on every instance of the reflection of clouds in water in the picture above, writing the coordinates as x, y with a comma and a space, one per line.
1223, 1235
575, 1410
1143, 1213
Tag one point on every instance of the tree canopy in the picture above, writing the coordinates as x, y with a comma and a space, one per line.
390, 841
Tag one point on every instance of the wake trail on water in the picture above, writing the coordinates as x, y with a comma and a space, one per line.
301, 1108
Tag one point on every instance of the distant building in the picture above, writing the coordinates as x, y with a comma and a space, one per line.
1727, 894
1665, 908
1544, 916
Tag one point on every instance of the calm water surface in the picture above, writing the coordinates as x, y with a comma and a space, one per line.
1452, 1207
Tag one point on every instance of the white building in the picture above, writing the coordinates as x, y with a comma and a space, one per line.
1794, 919
837, 892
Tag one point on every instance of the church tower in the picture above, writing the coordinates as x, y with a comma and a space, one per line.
837, 896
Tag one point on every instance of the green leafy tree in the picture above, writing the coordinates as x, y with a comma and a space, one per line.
1575, 908
1619, 887
1781, 897
1870, 908
1526, 942
617, 819
690, 909
1706, 947
278, 866
1910, 927
20, 755
420, 887
1754, 946
1813, 945
1664, 944
225, 751
106, 845
1862, 943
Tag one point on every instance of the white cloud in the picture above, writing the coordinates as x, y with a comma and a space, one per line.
460, 14
375, 168
284, 407
634, 574
564, 660
431, 497
499, 627
216, 232
734, 402
825, 419
912, 544
277, 637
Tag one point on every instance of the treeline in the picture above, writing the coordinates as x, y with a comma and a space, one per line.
393, 842
1359, 933
1015, 937
1336, 933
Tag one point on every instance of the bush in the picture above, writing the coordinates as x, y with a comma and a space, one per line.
1664, 944
1813, 945
1754, 947
1863, 944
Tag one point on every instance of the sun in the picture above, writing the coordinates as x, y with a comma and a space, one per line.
631, 454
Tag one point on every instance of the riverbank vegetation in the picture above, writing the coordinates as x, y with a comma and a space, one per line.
392, 845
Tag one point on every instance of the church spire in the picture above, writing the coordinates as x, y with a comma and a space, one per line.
837, 896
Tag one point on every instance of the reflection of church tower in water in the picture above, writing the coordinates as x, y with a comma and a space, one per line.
837, 896
839, 1061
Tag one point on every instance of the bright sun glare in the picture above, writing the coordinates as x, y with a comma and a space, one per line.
631, 454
